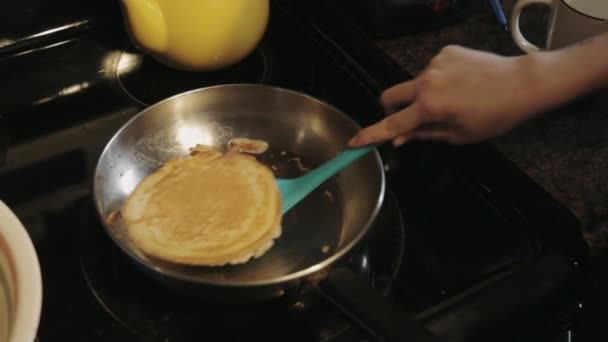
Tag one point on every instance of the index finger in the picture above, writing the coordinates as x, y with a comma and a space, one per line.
398, 124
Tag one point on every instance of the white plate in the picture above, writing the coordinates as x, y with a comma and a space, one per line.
20, 281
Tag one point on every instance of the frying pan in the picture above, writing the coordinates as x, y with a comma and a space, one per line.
302, 132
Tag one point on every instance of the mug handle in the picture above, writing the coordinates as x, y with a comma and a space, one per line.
518, 37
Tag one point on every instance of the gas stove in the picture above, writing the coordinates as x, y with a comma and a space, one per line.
469, 246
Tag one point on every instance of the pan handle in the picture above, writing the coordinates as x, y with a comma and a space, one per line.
363, 305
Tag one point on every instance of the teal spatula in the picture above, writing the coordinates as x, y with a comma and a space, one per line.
295, 189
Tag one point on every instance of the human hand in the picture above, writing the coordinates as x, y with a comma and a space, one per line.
463, 96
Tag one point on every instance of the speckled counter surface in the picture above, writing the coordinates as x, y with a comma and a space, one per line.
565, 151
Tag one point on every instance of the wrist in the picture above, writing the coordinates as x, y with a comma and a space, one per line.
565, 74
557, 77
542, 82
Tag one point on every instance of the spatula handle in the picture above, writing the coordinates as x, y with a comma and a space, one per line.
320, 174
341, 161
294, 190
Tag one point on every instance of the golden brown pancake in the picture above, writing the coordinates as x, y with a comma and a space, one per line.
210, 209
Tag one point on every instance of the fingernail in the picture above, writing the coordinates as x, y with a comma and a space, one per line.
399, 141
353, 142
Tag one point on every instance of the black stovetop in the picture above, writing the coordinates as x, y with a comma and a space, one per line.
465, 242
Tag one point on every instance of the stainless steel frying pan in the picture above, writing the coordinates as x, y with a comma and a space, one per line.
302, 132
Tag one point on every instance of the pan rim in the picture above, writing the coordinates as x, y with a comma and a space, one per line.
301, 274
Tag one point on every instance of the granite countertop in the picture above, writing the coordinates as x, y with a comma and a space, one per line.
566, 150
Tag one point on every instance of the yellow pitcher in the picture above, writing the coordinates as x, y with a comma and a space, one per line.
196, 35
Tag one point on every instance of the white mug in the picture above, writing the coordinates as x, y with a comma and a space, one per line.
570, 21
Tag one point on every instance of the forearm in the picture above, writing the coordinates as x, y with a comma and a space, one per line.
565, 74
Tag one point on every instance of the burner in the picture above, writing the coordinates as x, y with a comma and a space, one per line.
153, 313
379, 257
150, 311
148, 81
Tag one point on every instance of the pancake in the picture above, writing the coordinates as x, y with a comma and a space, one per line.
209, 208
